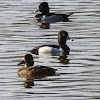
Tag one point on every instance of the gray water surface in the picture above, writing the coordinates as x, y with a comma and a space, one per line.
79, 73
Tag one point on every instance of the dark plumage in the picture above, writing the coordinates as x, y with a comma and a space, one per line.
51, 48
35, 71
46, 17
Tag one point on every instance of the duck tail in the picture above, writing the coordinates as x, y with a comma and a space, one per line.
33, 51
70, 14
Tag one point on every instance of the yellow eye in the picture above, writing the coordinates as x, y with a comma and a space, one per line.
63, 34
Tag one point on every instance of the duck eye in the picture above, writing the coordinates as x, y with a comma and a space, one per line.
63, 34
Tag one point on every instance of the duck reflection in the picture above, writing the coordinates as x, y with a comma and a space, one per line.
28, 83
63, 59
45, 25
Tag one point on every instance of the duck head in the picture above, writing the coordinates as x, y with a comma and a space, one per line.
44, 8
63, 37
27, 60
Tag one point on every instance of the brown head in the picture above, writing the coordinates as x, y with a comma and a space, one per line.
27, 60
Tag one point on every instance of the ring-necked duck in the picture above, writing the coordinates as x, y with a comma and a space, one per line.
31, 70
61, 48
46, 17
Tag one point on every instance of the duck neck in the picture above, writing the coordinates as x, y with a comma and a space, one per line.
65, 47
45, 12
26, 65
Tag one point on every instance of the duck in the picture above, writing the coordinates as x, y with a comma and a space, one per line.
29, 71
46, 17
63, 36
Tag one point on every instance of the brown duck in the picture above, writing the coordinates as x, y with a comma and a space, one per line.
33, 71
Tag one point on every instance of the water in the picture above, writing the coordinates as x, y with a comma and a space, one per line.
79, 72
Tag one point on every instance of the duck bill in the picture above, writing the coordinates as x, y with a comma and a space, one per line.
70, 39
37, 10
22, 62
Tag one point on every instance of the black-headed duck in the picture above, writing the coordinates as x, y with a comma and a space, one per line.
47, 17
51, 48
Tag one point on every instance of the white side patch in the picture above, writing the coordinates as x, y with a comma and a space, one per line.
47, 49
51, 19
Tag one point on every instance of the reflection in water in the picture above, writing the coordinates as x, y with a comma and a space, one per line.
42, 25
45, 25
63, 59
28, 83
